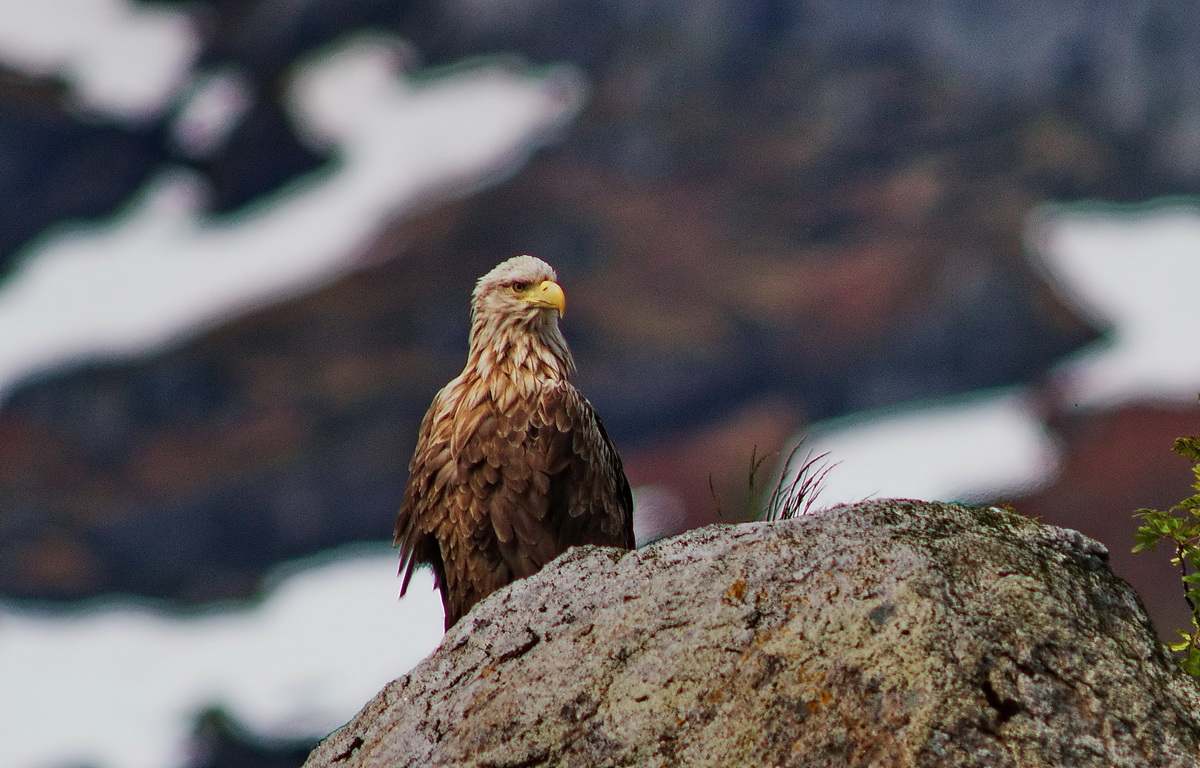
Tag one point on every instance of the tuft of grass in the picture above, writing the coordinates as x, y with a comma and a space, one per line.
787, 498
1181, 526
792, 498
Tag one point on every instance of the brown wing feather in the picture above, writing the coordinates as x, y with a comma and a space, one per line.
423, 511
513, 492
589, 493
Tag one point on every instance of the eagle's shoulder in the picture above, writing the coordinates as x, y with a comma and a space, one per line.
589, 490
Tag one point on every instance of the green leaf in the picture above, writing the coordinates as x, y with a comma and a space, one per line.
1156, 525
1188, 447
1190, 503
1146, 538
1184, 532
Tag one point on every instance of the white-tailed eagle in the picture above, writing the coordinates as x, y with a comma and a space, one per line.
512, 464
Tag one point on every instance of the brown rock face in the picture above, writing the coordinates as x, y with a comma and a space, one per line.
891, 633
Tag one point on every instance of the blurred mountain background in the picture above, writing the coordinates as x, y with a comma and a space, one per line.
766, 214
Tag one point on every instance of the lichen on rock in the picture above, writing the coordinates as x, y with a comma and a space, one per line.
889, 633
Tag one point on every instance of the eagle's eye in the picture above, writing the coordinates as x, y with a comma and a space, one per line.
520, 286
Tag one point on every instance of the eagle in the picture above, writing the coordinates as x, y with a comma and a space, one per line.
512, 464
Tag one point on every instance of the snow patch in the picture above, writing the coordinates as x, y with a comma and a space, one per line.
117, 686
967, 449
119, 58
1134, 270
163, 271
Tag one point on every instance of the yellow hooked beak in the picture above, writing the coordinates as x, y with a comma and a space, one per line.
548, 294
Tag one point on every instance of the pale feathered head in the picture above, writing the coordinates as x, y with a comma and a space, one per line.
523, 287
514, 313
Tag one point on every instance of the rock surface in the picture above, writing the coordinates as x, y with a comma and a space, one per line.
890, 633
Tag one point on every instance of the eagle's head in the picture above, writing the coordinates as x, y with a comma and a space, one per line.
522, 288
514, 315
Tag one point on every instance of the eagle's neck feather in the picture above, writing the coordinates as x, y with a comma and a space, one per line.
516, 356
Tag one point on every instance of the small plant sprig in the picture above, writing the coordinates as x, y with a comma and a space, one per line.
787, 498
1181, 525
793, 498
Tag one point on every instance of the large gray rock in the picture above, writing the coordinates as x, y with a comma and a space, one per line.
892, 633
